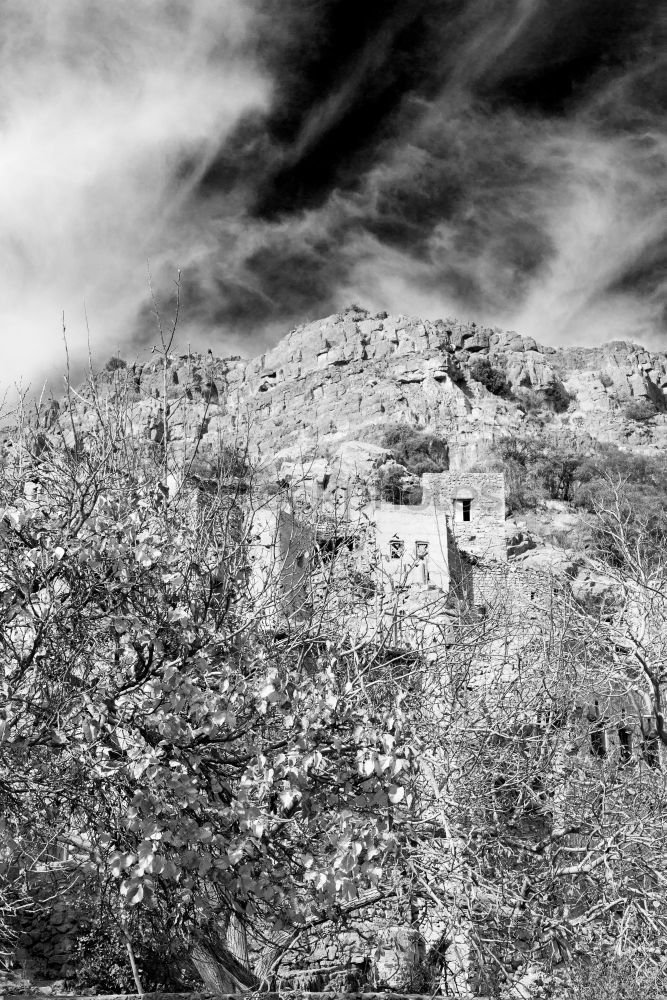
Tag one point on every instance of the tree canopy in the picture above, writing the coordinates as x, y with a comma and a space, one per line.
237, 774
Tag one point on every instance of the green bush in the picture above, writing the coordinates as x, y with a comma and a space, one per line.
539, 467
554, 398
640, 410
529, 400
419, 451
641, 484
557, 397
491, 378
614, 979
398, 487
114, 363
101, 959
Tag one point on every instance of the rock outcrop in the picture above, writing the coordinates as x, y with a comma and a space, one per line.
328, 387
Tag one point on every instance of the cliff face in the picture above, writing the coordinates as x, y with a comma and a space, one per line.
330, 383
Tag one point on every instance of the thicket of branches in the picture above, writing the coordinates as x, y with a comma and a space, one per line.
225, 775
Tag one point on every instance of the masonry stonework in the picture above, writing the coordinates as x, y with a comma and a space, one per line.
474, 504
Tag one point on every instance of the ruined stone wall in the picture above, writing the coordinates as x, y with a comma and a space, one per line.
376, 947
48, 933
422, 534
483, 535
280, 549
389, 946
510, 588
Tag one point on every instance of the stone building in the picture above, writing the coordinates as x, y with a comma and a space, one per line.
461, 514
405, 547
411, 544
474, 505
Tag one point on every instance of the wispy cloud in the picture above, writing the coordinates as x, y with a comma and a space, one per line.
110, 114
504, 163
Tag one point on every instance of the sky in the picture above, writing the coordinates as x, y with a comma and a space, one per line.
503, 162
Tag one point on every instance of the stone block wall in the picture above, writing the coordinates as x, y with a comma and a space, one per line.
483, 536
380, 947
48, 934
411, 543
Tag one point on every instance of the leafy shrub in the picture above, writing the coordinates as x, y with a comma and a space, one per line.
419, 451
557, 397
635, 470
554, 398
606, 380
541, 467
219, 467
102, 962
641, 484
114, 363
530, 400
491, 378
640, 410
399, 487
613, 979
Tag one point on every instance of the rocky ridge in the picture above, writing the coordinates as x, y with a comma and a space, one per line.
329, 385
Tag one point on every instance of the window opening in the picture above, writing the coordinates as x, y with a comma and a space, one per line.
650, 742
421, 555
463, 509
598, 735
396, 547
599, 741
625, 743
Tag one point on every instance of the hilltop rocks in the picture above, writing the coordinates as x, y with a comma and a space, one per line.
333, 382
351, 372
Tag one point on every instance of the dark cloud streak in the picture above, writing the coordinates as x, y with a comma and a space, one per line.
503, 161
445, 134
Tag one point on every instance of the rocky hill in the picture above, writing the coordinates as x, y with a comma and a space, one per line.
331, 384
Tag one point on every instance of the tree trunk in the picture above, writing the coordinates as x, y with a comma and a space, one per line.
220, 970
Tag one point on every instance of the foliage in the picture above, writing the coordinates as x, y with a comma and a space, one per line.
418, 451
491, 377
644, 483
530, 400
614, 979
640, 410
224, 466
217, 768
231, 767
541, 467
557, 397
553, 398
115, 363
101, 961
398, 487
